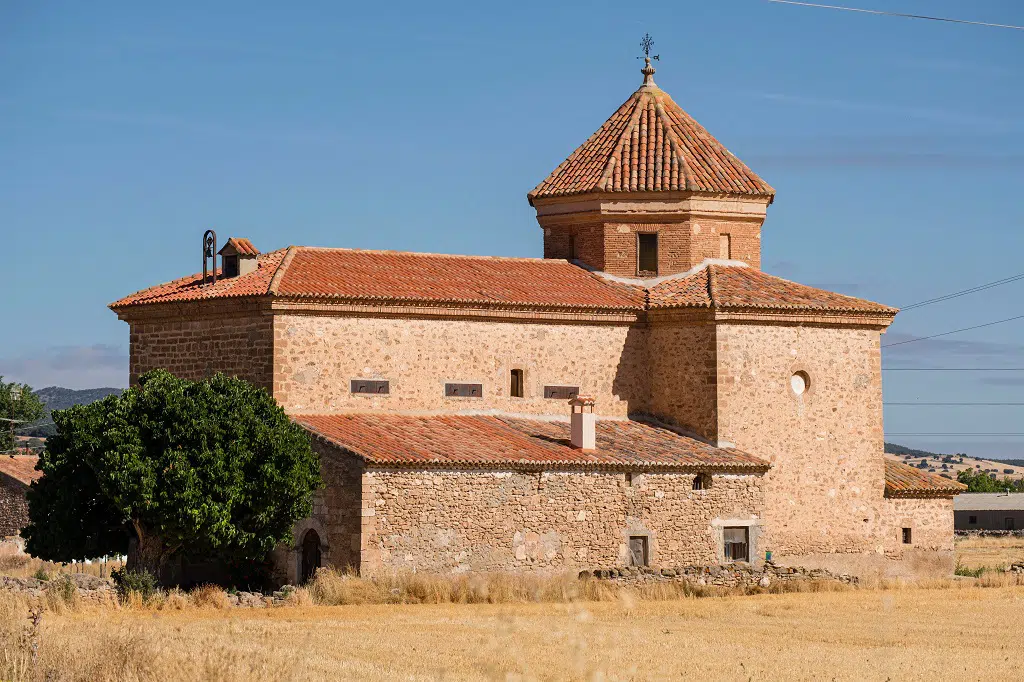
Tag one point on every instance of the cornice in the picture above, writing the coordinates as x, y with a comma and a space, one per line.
668, 316
444, 310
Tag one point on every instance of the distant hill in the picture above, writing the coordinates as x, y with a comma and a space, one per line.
893, 449
59, 398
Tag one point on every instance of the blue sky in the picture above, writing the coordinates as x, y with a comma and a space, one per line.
896, 147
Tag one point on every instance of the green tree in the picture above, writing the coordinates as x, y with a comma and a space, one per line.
183, 468
983, 482
18, 405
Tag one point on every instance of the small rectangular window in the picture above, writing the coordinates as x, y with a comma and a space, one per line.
972, 520
736, 543
907, 537
516, 384
724, 247
1009, 523
561, 392
463, 390
370, 387
638, 555
572, 247
647, 253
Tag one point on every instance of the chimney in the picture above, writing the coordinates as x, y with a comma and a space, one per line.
583, 422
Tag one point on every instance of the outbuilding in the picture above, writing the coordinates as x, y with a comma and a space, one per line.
988, 511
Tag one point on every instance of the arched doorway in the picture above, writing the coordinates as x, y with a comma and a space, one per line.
310, 555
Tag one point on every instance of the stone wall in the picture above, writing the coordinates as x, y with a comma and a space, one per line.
824, 491
454, 521
200, 341
930, 521
336, 517
13, 506
318, 356
684, 376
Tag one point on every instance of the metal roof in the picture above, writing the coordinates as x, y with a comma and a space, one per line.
988, 501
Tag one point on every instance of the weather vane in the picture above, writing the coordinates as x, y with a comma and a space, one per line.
646, 43
648, 71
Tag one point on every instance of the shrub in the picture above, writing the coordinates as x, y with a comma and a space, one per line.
41, 574
62, 592
965, 572
209, 596
141, 583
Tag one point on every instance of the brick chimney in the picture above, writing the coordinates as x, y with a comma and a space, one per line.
583, 422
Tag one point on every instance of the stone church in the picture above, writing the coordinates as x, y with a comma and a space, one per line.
643, 394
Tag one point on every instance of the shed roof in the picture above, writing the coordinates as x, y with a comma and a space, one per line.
489, 442
989, 502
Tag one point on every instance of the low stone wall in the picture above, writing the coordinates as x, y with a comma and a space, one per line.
726, 575
90, 588
1019, 533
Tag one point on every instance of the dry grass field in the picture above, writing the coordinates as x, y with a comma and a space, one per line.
555, 630
868, 634
989, 553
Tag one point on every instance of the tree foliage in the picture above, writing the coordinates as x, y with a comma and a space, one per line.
183, 468
983, 482
17, 403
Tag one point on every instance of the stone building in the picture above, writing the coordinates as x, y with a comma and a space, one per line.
16, 474
720, 413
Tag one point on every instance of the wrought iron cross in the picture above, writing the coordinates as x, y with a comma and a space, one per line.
646, 44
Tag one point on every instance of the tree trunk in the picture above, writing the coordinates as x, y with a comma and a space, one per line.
148, 554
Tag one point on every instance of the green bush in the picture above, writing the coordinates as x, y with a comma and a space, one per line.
141, 582
968, 572
41, 574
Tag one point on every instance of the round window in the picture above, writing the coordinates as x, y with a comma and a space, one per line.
800, 382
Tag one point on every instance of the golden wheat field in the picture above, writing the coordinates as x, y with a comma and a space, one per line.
514, 628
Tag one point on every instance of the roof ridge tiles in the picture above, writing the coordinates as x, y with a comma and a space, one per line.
429, 254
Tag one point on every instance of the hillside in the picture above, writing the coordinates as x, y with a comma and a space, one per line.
950, 465
60, 398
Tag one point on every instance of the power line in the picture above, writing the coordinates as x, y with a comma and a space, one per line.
955, 403
33, 426
965, 292
955, 331
953, 369
953, 433
897, 14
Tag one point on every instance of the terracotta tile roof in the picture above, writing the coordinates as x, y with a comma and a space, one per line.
242, 246
302, 272
497, 441
21, 468
739, 287
255, 283
651, 144
906, 481
358, 275
395, 275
